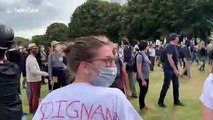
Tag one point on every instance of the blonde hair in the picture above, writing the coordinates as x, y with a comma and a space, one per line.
201, 45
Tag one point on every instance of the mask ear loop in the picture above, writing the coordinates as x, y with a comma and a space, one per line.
92, 66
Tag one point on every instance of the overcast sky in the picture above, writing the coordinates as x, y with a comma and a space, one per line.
31, 17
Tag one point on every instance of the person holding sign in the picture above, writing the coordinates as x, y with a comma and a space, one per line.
92, 65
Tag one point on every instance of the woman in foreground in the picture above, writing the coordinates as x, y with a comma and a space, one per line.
92, 63
207, 97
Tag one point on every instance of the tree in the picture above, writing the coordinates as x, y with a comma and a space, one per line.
96, 18
22, 41
143, 19
40, 40
57, 31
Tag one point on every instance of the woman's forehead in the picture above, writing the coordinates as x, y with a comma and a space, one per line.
105, 51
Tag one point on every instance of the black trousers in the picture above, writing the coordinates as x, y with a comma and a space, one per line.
43, 68
168, 76
143, 92
59, 74
152, 65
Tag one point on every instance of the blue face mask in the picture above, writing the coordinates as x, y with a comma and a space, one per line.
105, 78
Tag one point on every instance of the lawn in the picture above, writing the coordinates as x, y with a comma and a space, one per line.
190, 90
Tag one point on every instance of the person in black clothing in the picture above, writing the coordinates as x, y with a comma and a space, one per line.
187, 57
143, 71
203, 55
16, 60
158, 55
24, 56
171, 72
128, 61
43, 65
181, 56
10, 102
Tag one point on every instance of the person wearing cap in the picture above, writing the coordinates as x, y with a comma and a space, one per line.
10, 102
206, 97
171, 72
33, 77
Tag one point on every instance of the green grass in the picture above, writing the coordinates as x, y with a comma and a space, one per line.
190, 90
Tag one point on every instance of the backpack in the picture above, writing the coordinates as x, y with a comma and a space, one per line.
181, 52
163, 55
128, 58
118, 83
135, 62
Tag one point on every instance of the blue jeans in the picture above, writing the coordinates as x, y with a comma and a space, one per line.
28, 91
195, 58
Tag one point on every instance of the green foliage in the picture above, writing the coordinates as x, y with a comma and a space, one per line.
95, 18
143, 19
57, 31
22, 41
138, 19
40, 40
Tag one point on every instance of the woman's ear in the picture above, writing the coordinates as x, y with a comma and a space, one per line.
83, 67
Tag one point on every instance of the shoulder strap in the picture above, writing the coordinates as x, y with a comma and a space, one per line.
119, 60
139, 54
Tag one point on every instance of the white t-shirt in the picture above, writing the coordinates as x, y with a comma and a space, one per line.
81, 101
207, 95
152, 52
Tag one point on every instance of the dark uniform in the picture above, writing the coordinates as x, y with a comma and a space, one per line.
10, 102
169, 73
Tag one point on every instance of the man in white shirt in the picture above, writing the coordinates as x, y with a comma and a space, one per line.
152, 57
34, 74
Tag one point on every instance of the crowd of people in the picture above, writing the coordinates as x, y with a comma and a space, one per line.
92, 67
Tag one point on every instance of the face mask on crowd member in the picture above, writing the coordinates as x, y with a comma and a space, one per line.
105, 76
92, 64
33, 48
95, 62
34, 51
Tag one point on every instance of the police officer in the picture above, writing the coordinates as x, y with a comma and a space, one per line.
10, 102
171, 72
